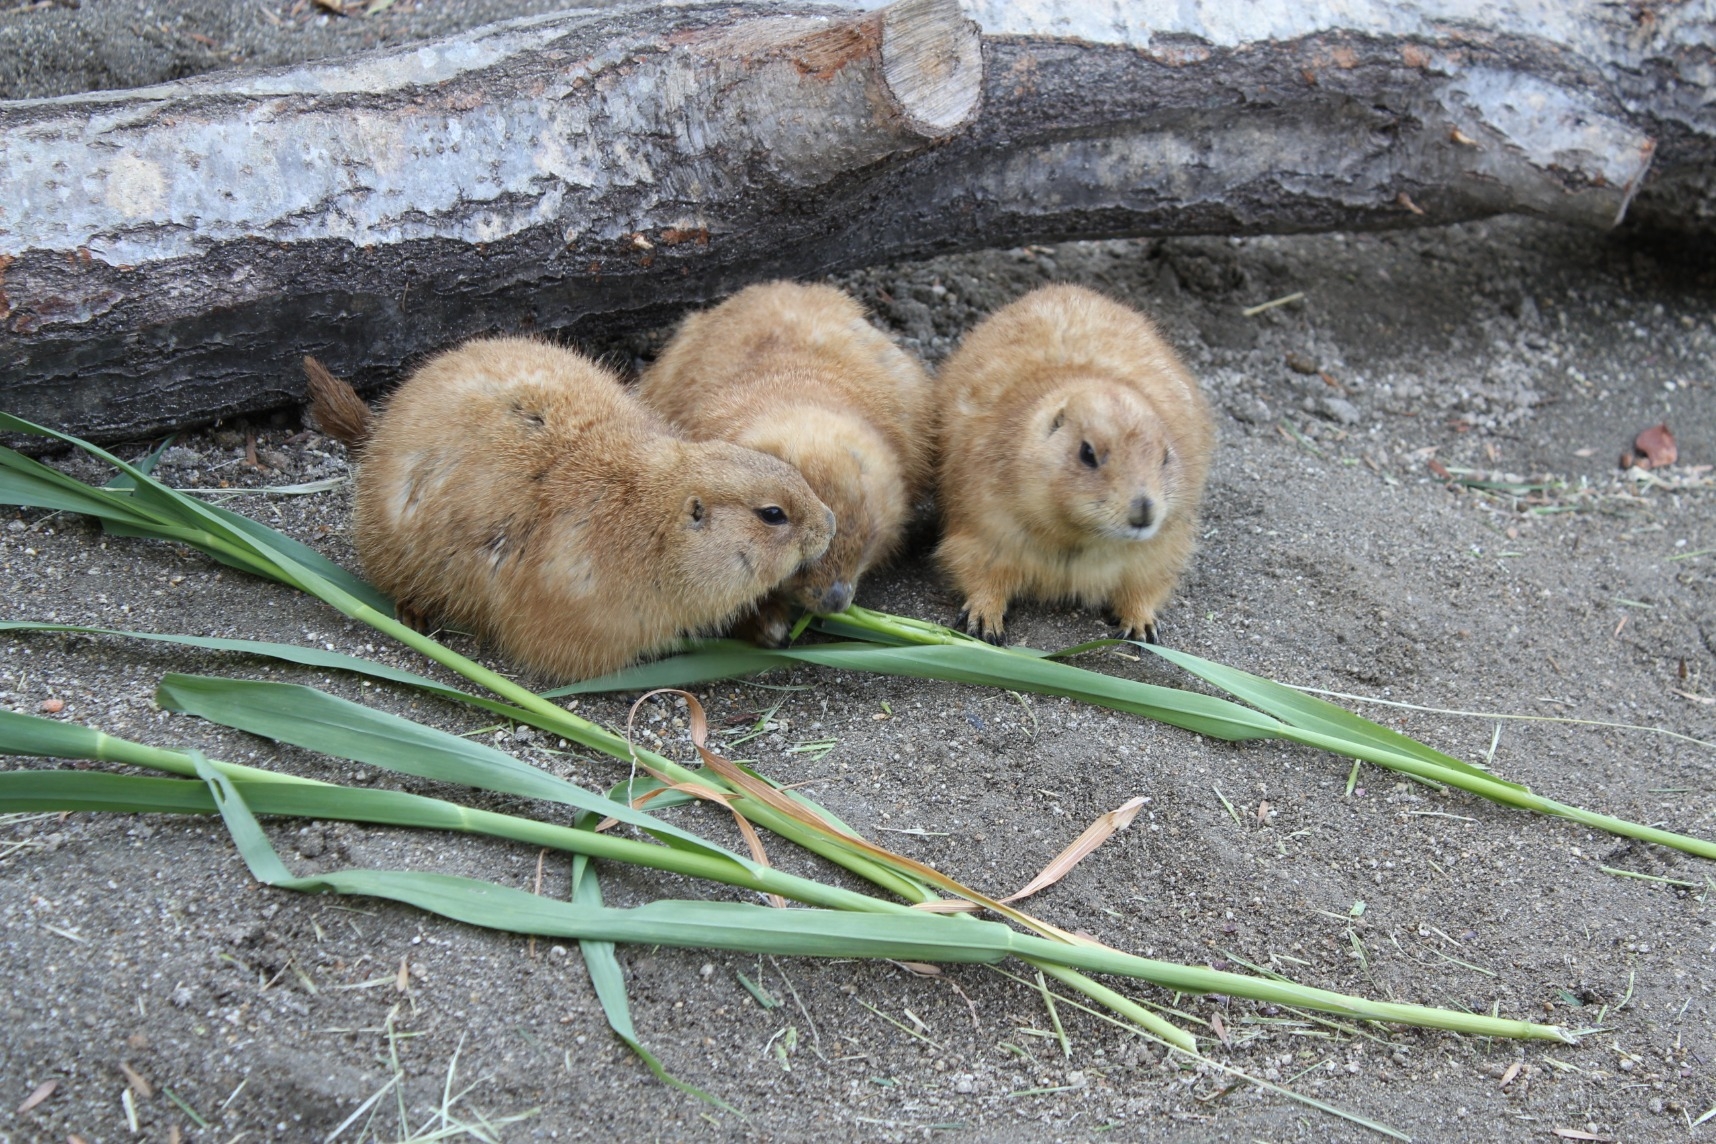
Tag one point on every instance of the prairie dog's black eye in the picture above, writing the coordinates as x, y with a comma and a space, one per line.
1087, 455
772, 514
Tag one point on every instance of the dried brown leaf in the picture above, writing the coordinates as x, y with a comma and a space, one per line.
921, 968
947, 906
43, 1091
1219, 1027
699, 736
1581, 1134
142, 1087
1656, 447
1094, 835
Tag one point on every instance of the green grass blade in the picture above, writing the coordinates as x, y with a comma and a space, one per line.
316, 721
145, 464
277, 794
903, 936
230, 537
681, 924
151, 499
30, 484
1310, 713
609, 980
40, 791
291, 653
703, 662
52, 790
32, 735
279, 544
960, 663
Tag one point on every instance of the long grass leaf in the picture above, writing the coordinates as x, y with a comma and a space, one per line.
236, 537
291, 653
30, 791
799, 932
24, 482
957, 663
1313, 714
317, 721
285, 795
608, 980
701, 925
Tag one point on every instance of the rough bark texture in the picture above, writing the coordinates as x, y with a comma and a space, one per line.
167, 255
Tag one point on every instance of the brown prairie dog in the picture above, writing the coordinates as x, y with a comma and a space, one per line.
797, 372
1074, 447
517, 487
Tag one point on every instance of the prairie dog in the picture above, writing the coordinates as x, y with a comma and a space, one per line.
1074, 447
796, 371
517, 487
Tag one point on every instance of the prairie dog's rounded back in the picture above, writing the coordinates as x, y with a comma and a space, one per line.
798, 372
1070, 435
516, 486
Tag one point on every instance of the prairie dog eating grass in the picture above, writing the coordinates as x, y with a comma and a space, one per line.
1074, 447
797, 372
518, 488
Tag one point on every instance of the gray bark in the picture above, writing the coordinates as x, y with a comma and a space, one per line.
168, 254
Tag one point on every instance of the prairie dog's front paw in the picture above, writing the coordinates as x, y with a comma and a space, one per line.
769, 626
988, 626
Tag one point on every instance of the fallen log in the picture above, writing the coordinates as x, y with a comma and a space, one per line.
168, 254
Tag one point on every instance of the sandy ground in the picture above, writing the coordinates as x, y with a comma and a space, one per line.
1333, 556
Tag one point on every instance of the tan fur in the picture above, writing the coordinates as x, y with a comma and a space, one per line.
797, 372
516, 487
1025, 516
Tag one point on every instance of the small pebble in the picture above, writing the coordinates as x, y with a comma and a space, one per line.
51, 706
1340, 409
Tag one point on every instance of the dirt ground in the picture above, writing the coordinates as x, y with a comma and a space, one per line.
1334, 555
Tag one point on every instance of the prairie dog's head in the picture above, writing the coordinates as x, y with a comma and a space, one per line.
853, 471
1100, 463
745, 521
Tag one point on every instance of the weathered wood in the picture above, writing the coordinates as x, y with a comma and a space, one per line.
167, 255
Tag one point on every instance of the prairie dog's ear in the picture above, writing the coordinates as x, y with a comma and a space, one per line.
694, 510
1060, 419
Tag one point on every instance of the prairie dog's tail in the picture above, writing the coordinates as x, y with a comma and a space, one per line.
335, 406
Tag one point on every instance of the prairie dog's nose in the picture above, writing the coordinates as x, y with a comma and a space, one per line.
837, 598
1142, 513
